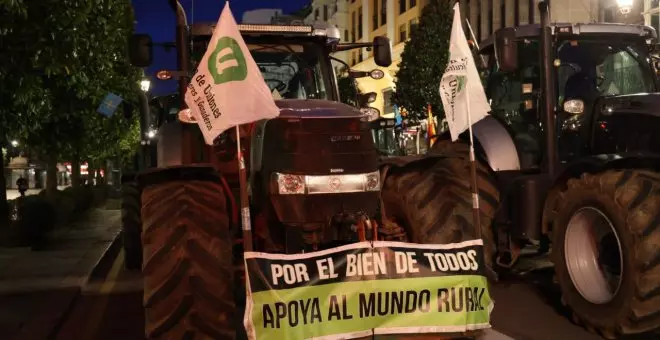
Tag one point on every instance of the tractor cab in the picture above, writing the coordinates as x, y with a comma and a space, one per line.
591, 62
315, 166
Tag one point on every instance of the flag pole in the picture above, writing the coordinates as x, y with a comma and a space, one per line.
473, 174
246, 224
476, 216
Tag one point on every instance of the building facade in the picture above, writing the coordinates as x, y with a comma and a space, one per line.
362, 20
333, 12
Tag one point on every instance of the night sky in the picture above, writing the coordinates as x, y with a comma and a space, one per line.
156, 18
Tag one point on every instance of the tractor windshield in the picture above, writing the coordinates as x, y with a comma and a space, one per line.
291, 70
585, 69
589, 69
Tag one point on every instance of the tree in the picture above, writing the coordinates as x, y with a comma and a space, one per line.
63, 58
423, 61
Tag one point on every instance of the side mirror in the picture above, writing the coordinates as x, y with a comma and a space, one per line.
382, 51
506, 49
140, 50
367, 98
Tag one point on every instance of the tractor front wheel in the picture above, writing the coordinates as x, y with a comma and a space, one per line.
432, 199
606, 232
188, 273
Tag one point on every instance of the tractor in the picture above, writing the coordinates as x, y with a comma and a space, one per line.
313, 178
571, 149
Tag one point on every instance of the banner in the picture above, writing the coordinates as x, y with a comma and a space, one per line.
365, 289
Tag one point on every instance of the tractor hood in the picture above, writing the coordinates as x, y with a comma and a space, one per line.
315, 108
627, 123
313, 137
647, 104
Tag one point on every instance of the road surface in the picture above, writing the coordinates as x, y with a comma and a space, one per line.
112, 309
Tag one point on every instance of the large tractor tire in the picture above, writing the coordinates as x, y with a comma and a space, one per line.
188, 273
606, 250
431, 198
131, 223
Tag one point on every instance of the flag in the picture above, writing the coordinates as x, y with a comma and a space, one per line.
430, 125
398, 120
228, 88
461, 90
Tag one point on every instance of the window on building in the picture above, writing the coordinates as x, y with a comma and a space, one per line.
374, 22
325, 12
388, 105
353, 27
402, 6
359, 23
468, 12
402, 33
479, 35
516, 13
316, 14
346, 35
489, 22
531, 6
353, 58
502, 15
413, 3
609, 15
360, 56
383, 12
413, 26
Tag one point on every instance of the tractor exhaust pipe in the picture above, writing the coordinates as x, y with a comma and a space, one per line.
183, 65
548, 89
182, 54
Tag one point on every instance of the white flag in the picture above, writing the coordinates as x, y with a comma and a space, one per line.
460, 88
228, 88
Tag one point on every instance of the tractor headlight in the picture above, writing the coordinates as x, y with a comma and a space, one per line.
574, 106
290, 184
326, 184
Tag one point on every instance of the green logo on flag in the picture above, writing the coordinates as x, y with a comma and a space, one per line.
461, 80
227, 62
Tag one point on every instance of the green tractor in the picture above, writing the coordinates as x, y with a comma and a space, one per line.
572, 150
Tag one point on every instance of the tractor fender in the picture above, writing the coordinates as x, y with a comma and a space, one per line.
595, 164
494, 142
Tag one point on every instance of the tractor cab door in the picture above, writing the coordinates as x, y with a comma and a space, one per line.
513, 98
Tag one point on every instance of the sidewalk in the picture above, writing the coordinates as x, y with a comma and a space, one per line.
38, 286
13, 193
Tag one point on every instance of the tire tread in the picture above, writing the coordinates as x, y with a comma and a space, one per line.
188, 261
637, 192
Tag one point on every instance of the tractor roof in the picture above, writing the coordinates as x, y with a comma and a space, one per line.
303, 108
591, 29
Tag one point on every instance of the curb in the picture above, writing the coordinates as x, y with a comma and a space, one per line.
98, 271
47, 327
104, 263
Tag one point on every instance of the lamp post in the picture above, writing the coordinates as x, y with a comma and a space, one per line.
145, 85
145, 123
625, 6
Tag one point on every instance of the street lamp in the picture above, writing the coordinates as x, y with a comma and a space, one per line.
625, 6
145, 84
14, 143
